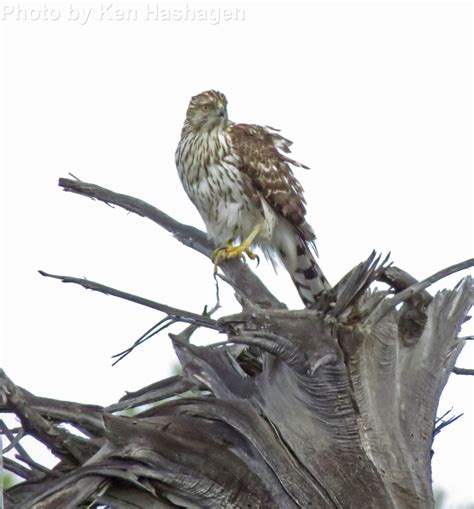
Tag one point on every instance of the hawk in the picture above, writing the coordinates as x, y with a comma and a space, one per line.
239, 177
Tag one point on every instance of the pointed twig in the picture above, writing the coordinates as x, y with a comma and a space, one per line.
188, 235
180, 314
353, 284
153, 331
463, 371
441, 423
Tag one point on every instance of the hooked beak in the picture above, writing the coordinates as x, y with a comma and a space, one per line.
222, 110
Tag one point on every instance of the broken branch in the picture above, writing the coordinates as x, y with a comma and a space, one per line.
180, 314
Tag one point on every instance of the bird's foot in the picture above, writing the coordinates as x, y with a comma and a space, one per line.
229, 251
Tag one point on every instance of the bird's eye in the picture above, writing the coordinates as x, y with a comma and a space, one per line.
205, 107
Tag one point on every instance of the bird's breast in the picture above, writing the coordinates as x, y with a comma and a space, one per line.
210, 175
206, 166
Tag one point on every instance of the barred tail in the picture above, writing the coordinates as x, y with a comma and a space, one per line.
305, 273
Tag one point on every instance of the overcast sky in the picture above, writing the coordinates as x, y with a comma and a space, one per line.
377, 98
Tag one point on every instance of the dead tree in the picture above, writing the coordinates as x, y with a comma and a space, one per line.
331, 407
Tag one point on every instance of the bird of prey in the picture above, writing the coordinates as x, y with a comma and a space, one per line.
239, 177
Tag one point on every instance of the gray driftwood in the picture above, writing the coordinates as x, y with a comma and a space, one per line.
332, 407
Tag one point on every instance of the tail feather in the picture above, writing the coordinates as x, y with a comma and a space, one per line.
306, 274
297, 252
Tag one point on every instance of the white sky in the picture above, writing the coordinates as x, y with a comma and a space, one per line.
376, 96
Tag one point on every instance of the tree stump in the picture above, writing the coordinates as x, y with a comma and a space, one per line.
330, 407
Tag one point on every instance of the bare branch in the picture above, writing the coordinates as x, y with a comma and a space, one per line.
441, 423
180, 314
14, 439
241, 428
17, 469
238, 272
34, 465
274, 344
59, 441
164, 323
188, 235
463, 371
388, 304
400, 280
153, 393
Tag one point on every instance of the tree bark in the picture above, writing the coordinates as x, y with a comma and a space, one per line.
331, 407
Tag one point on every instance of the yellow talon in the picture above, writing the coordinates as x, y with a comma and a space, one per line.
229, 251
251, 254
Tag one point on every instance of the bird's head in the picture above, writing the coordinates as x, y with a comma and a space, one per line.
207, 111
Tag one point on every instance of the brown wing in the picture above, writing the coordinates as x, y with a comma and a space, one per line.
259, 150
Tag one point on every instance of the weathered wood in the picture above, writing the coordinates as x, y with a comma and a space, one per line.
331, 407
238, 272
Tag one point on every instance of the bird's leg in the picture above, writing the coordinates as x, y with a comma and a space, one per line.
229, 251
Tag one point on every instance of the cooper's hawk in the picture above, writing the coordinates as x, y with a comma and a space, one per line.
239, 178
